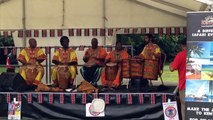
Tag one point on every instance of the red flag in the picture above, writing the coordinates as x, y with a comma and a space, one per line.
152, 98
71, 32
78, 32
8, 97
73, 98
126, 30
60, 32
163, 97
110, 32
84, 98
160, 31
20, 33
118, 98
47, 50
95, 95
143, 30
29, 98
40, 98
61, 98
168, 31
130, 98
52, 33
102, 32
107, 98
36, 33
50, 98
19, 97
151, 31
177, 30
86, 32
44, 33
135, 30
141, 99
94, 32
28, 33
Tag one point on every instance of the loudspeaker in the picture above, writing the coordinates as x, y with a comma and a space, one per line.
12, 82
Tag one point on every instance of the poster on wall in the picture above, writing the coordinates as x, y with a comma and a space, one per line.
199, 69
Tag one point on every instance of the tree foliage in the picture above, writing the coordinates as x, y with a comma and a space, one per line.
167, 43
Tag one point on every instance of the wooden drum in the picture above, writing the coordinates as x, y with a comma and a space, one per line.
63, 76
31, 72
125, 68
136, 68
150, 69
111, 71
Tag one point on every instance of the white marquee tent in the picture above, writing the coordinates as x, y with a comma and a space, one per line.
81, 20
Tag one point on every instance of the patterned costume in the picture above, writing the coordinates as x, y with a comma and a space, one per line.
91, 71
64, 56
113, 57
30, 55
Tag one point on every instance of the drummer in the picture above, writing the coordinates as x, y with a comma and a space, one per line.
32, 56
94, 58
150, 51
64, 56
114, 57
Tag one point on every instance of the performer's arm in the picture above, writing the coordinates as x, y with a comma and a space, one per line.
72, 63
56, 62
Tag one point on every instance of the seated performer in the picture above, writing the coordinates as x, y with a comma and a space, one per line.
94, 58
31, 58
151, 51
111, 77
65, 69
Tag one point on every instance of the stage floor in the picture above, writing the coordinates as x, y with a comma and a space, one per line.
122, 103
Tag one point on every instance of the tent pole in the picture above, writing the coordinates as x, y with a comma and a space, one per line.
24, 22
104, 20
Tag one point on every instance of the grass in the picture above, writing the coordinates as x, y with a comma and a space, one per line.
169, 76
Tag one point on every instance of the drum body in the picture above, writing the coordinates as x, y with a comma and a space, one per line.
63, 76
31, 72
150, 69
125, 68
111, 71
136, 68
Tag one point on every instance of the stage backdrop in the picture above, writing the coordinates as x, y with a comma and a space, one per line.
199, 74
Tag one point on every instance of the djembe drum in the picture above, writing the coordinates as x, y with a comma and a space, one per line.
125, 68
151, 69
31, 72
63, 76
111, 71
136, 68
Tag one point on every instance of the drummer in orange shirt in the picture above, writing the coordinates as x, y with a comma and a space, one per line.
112, 79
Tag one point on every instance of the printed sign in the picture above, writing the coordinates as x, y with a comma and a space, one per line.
170, 111
14, 110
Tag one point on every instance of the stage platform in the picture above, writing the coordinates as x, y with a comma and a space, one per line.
121, 104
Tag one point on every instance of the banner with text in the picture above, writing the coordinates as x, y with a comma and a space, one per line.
199, 69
